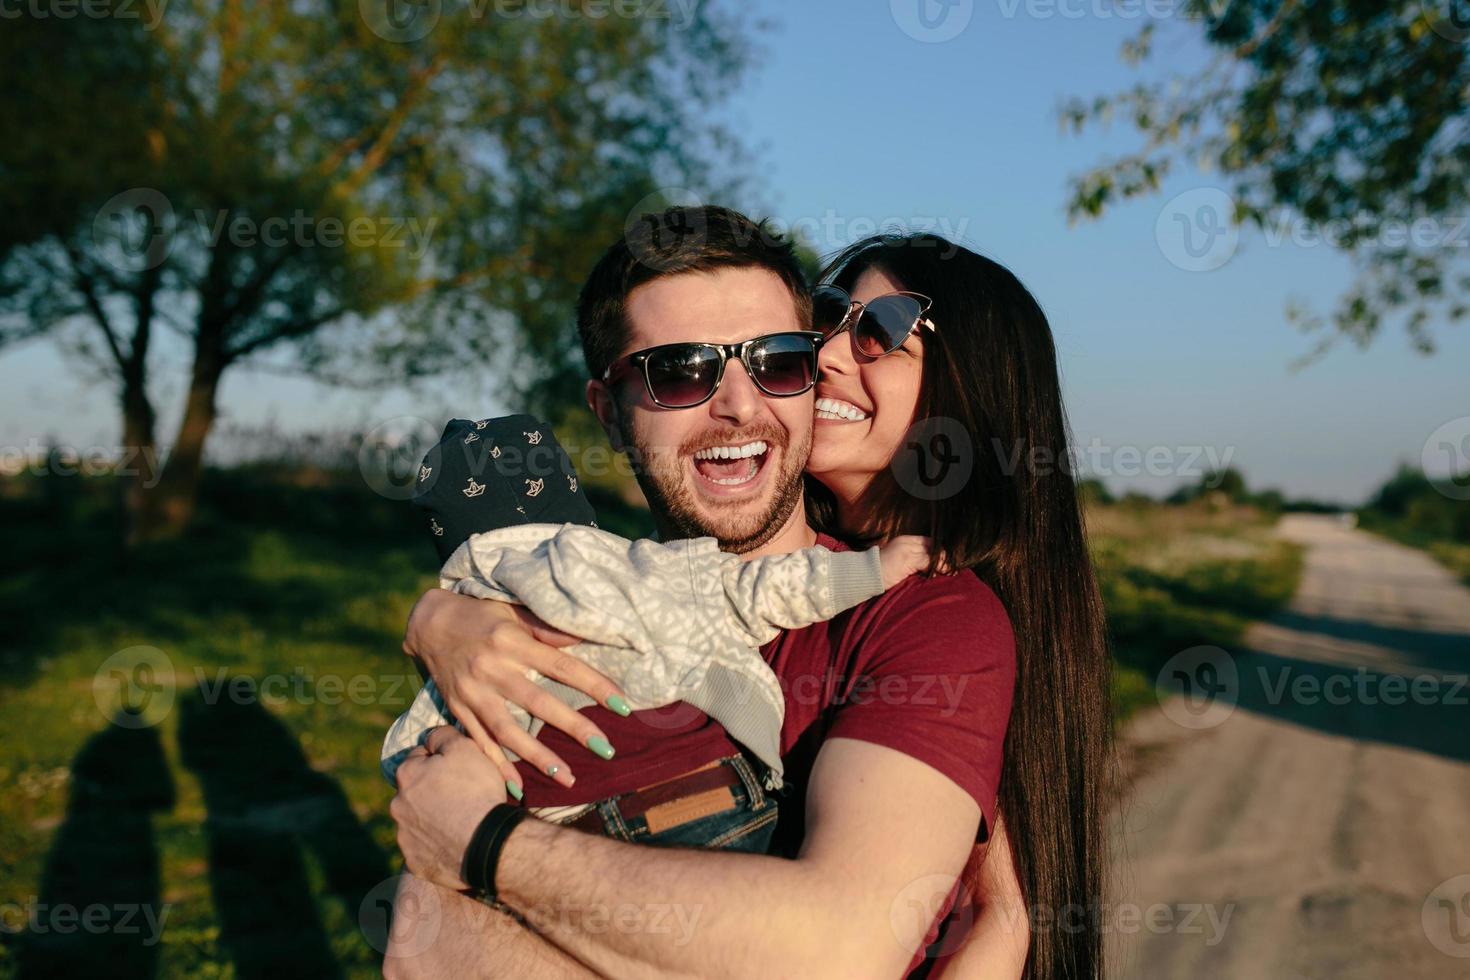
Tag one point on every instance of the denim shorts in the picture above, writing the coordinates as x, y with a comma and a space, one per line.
747, 825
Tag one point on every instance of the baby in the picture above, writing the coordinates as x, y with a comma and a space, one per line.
666, 621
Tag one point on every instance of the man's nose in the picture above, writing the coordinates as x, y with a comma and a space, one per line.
738, 400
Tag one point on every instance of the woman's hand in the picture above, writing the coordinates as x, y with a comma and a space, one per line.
478, 652
1000, 936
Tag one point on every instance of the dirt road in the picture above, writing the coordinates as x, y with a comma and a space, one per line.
1303, 808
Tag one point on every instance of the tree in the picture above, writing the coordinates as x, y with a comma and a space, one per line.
350, 190
1225, 484
1349, 115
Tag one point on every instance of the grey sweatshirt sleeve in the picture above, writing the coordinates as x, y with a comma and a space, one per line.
582, 580
767, 595
663, 620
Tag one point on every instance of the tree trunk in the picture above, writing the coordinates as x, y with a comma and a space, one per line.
165, 510
140, 454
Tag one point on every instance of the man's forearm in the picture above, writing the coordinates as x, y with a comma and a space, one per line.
438, 933
628, 910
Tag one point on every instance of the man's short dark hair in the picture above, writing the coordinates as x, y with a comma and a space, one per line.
669, 243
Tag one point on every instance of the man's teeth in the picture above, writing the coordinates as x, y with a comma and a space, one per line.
833, 408
732, 452
736, 480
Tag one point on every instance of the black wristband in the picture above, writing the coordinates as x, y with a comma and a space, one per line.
483, 853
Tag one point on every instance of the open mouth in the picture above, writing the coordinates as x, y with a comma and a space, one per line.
837, 410
733, 465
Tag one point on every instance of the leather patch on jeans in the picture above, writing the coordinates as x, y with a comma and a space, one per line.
676, 812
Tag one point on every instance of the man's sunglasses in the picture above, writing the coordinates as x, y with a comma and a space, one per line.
686, 375
879, 326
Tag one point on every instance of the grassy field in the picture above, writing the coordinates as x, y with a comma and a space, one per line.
1177, 577
232, 819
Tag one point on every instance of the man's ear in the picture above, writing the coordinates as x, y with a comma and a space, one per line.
605, 408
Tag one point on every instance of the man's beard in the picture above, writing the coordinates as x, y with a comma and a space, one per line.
661, 475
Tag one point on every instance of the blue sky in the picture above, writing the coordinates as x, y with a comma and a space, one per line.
854, 122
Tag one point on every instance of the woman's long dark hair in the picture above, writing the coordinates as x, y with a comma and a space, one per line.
990, 366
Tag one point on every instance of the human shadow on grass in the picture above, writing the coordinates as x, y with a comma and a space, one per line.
267, 809
100, 911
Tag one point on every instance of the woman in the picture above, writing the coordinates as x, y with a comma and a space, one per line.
972, 356
988, 367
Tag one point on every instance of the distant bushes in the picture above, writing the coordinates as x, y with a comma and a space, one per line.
1425, 514
1412, 502
1228, 486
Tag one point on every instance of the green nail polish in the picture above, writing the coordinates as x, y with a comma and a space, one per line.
601, 746
513, 789
619, 705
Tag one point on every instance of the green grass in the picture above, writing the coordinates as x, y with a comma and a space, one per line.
1178, 577
265, 811
260, 821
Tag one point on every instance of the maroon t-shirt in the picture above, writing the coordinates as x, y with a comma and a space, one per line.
926, 668
650, 746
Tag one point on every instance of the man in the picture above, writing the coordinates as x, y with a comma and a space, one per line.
885, 830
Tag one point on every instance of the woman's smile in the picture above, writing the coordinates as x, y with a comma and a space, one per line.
833, 409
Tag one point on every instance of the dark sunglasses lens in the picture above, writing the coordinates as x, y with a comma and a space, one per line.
683, 375
829, 306
785, 364
886, 323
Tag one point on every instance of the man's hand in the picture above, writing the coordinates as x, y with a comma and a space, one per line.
445, 788
479, 651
